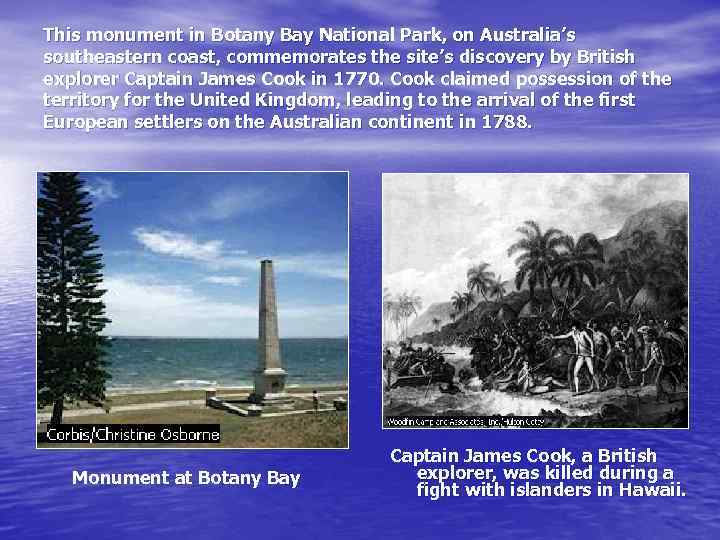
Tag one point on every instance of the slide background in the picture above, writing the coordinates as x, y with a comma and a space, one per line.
358, 493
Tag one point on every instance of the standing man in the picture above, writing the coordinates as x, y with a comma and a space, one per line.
584, 352
388, 365
618, 359
316, 400
603, 348
667, 364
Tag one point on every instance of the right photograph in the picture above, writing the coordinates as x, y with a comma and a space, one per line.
517, 300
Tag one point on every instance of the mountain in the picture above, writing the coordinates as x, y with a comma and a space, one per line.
649, 219
423, 323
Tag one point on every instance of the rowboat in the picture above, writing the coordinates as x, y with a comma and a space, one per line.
411, 380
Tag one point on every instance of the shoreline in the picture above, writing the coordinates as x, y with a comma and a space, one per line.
187, 396
633, 407
288, 425
113, 392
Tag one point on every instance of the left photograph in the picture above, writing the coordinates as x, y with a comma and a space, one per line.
192, 310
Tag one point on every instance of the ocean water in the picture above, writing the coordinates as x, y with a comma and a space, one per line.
138, 364
431, 401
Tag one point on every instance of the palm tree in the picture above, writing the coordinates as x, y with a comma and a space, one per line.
387, 308
469, 299
407, 306
498, 288
576, 266
399, 309
452, 316
480, 279
458, 301
396, 318
538, 256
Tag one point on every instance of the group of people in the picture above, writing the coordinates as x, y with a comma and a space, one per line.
418, 362
617, 353
540, 355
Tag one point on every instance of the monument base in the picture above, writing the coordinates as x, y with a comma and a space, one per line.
270, 388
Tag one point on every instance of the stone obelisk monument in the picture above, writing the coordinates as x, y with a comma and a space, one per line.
269, 375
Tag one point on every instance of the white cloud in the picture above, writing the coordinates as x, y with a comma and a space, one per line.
213, 255
329, 265
436, 226
233, 281
325, 265
102, 190
433, 285
177, 244
140, 306
234, 201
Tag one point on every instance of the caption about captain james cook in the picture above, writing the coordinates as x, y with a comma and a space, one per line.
333, 78
603, 472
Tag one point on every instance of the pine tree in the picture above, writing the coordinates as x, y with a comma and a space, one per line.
71, 313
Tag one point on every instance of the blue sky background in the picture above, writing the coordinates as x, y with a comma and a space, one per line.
182, 251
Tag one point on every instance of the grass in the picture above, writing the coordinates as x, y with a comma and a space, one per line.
322, 430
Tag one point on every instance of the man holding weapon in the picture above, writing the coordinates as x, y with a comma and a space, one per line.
584, 353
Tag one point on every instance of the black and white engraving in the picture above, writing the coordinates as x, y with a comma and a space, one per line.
535, 300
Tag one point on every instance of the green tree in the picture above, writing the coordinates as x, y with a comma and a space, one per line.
538, 256
480, 279
71, 313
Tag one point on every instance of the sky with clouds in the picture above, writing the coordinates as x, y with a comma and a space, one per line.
435, 226
182, 251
